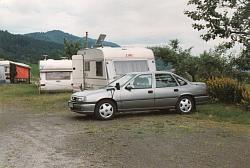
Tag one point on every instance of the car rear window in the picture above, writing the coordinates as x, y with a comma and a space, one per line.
180, 81
165, 80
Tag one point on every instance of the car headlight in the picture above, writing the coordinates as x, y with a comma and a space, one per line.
78, 98
81, 98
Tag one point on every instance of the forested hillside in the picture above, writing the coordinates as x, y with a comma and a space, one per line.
30, 47
23, 48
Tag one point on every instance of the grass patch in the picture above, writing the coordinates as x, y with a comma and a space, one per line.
34, 72
224, 112
18, 90
27, 96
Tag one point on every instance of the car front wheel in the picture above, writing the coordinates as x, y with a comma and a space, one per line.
105, 110
185, 105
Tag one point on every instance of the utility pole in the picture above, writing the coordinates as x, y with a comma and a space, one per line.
83, 62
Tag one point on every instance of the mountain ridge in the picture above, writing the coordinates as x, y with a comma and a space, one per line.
58, 36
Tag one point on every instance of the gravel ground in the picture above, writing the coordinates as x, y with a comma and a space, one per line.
63, 139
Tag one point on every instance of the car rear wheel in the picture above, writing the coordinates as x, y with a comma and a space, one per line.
105, 110
185, 105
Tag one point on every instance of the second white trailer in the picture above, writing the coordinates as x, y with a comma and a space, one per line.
94, 68
55, 75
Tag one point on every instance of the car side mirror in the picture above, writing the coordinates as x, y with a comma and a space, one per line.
129, 87
117, 86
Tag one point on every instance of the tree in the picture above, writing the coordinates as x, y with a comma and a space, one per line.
179, 59
191, 65
71, 48
227, 19
216, 62
3, 57
211, 65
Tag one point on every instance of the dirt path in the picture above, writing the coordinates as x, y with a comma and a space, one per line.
63, 139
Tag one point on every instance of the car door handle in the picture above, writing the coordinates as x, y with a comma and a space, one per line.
176, 90
150, 91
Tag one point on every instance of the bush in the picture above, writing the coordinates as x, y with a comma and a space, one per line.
227, 90
246, 97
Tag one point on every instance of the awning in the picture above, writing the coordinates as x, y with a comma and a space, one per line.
22, 72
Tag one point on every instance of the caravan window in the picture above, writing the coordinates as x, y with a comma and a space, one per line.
123, 67
87, 66
58, 75
99, 69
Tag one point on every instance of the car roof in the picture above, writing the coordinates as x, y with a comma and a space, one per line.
146, 72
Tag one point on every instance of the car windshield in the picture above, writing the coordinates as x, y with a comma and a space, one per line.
122, 80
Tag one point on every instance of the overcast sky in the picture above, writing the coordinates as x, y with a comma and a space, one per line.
126, 22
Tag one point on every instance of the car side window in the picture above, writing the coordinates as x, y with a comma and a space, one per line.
142, 82
180, 81
165, 80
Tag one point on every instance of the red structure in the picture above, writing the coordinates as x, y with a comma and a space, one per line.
22, 72
19, 73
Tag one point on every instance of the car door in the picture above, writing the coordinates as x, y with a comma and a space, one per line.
166, 90
138, 94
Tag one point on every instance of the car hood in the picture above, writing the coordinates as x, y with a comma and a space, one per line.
89, 92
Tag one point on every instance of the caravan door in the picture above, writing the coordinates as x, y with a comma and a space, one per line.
77, 74
2, 74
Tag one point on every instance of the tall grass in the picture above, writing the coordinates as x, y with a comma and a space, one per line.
224, 112
27, 96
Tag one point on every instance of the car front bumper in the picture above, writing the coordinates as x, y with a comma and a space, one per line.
81, 107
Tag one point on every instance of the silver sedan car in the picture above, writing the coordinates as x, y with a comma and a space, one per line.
140, 91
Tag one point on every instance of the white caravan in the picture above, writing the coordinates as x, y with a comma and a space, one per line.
94, 68
6, 65
55, 75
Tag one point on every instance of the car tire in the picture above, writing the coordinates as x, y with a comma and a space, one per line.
185, 105
105, 110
